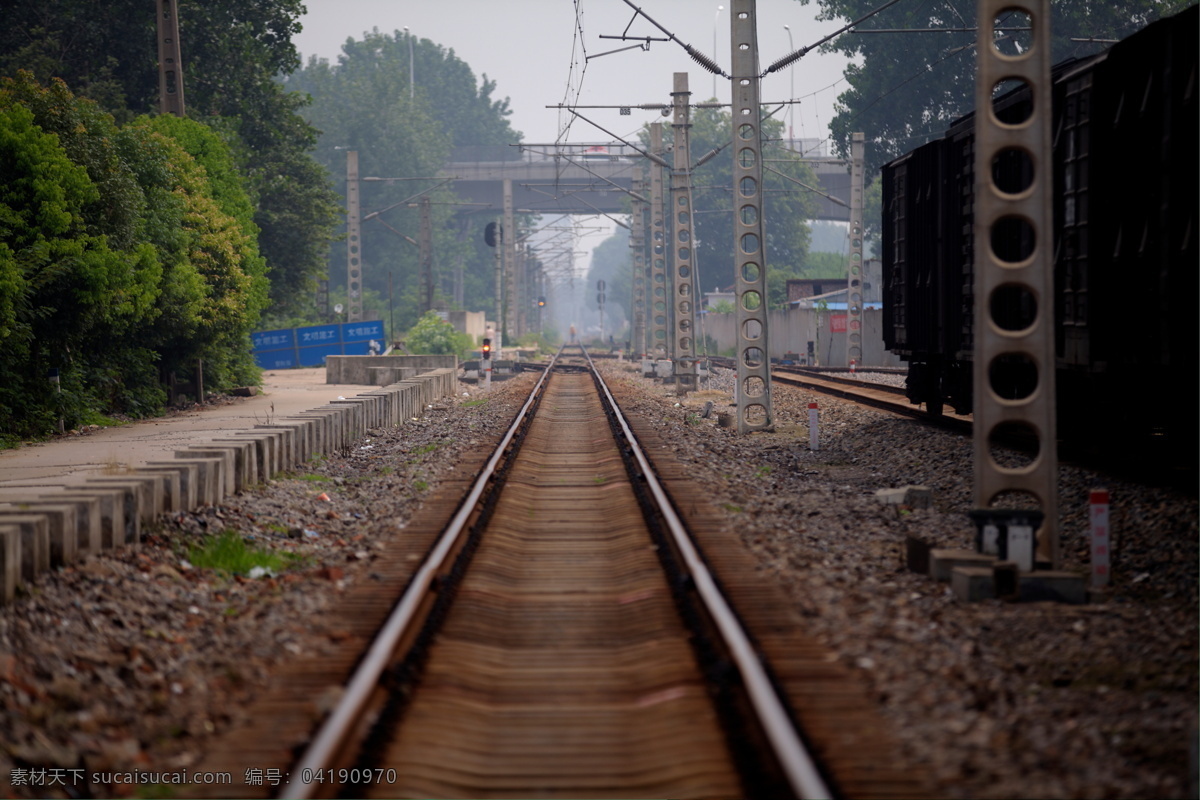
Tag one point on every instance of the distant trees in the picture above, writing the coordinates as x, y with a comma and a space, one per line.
125, 253
405, 125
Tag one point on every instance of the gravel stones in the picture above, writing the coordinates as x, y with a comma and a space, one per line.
136, 659
989, 699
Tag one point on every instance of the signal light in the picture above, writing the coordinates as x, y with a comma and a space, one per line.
487, 348
491, 234
541, 302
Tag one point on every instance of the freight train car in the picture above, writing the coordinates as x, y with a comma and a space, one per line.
1125, 171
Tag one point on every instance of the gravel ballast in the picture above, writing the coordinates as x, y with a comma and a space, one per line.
135, 660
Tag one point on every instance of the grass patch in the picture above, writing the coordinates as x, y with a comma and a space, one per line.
420, 485
470, 403
731, 508
426, 448
228, 552
762, 472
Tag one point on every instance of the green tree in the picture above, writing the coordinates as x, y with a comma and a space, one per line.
232, 51
120, 253
219, 248
70, 297
433, 335
906, 88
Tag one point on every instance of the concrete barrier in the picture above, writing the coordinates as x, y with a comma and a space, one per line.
356, 369
108, 511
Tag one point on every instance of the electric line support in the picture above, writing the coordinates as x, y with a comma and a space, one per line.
426, 250
1004, 349
505, 289
353, 240
637, 243
170, 61
682, 298
658, 264
854, 293
753, 391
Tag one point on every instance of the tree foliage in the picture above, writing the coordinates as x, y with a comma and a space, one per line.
905, 88
433, 335
118, 258
232, 52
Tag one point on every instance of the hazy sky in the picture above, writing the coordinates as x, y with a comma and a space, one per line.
532, 50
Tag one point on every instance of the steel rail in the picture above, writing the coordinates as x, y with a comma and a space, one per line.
802, 774
329, 740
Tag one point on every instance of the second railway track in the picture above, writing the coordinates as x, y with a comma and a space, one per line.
571, 642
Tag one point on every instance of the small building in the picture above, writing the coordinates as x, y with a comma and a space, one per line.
806, 288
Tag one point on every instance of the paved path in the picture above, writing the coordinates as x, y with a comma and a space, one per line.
31, 469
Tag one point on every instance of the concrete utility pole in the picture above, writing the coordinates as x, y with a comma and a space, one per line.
854, 295
684, 340
426, 249
353, 241
753, 362
510, 265
1028, 343
170, 61
658, 264
637, 242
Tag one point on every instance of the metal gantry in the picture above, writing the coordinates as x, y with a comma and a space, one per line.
1004, 279
753, 393
682, 249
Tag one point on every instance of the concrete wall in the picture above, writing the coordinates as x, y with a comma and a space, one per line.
791, 331
471, 323
59, 527
357, 369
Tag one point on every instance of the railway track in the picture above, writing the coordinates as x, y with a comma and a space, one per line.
877, 395
564, 637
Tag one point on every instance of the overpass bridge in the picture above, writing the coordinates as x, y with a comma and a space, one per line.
588, 179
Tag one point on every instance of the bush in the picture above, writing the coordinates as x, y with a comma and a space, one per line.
432, 335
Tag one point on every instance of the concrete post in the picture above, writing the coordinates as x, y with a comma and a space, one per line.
658, 263
170, 61
1029, 349
854, 295
426, 248
753, 391
683, 271
353, 241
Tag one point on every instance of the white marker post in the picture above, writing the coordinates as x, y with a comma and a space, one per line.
1101, 542
814, 438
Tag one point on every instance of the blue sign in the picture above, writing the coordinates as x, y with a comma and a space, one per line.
318, 335
309, 346
273, 340
362, 331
